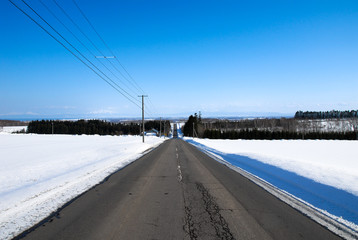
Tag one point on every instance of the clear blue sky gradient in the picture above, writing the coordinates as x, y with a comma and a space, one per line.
217, 57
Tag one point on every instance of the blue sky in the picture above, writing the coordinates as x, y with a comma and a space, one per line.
218, 57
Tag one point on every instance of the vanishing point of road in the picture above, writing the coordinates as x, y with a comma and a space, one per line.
178, 192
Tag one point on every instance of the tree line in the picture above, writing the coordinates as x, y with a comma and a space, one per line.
193, 126
326, 115
90, 127
4, 123
280, 128
286, 124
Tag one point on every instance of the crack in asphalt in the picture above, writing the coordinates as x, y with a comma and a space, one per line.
217, 220
189, 226
210, 215
203, 219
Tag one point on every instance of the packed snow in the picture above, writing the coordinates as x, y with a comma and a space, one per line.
322, 173
40, 173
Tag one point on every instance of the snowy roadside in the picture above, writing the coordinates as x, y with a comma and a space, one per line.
319, 173
40, 173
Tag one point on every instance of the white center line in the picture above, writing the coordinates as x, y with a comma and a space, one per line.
180, 177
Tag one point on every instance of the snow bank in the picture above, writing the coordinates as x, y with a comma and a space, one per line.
39, 173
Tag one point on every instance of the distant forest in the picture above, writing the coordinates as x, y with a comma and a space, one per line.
4, 123
275, 128
90, 127
326, 115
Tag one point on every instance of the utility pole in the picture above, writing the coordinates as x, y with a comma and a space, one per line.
194, 132
160, 127
143, 113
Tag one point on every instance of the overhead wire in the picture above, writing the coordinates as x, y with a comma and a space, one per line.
63, 45
110, 50
136, 85
97, 48
111, 83
86, 36
79, 51
133, 82
79, 40
152, 105
83, 33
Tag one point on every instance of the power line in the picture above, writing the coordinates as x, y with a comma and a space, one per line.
151, 103
63, 45
85, 35
84, 15
103, 41
76, 25
74, 35
114, 83
78, 51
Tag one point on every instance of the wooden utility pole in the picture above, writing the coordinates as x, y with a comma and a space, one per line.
143, 113
160, 127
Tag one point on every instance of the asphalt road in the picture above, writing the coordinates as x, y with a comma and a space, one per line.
177, 192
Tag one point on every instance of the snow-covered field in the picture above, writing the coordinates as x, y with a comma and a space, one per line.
322, 173
39, 173
6, 130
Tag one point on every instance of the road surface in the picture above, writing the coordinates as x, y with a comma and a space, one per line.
178, 192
